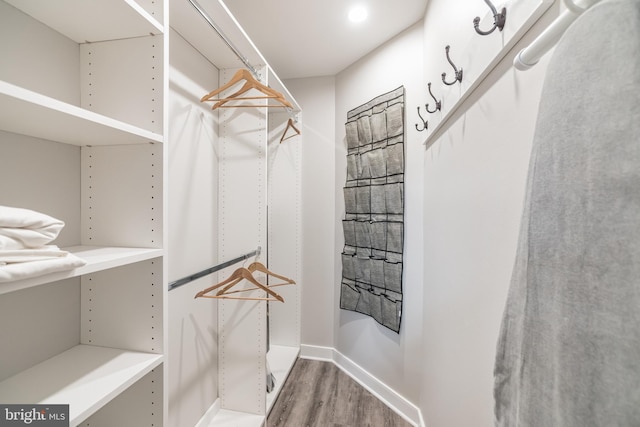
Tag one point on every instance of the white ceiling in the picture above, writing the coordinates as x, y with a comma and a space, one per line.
307, 38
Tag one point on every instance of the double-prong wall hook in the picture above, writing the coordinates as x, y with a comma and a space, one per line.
458, 72
425, 123
438, 103
499, 20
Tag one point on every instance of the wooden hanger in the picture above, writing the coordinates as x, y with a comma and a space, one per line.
250, 83
277, 96
290, 125
257, 266
253, 84
236, 277
253, 267
240, 75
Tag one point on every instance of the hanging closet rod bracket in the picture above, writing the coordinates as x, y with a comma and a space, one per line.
225, 39
191, 278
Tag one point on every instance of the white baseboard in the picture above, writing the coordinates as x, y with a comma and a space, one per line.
316, 353
390, 397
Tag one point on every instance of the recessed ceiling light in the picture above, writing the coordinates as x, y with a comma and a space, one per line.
358, 14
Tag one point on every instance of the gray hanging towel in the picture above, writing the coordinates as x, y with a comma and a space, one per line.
568, 354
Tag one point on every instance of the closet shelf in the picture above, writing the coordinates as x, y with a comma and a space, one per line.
227, 418
92, 21
85, 377
30, 113
281, 359
98, 258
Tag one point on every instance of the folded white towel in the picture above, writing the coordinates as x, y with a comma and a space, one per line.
23, 270
26, 255
24, 245
23, 228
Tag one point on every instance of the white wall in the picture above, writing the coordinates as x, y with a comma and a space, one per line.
317, 99
53, 66
394, 359
474, 184
463, 204
474, 187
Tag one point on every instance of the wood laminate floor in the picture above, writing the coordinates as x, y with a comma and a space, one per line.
319, 394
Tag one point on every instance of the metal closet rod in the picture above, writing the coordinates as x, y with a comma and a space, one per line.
224, 38
234, 49
185, 280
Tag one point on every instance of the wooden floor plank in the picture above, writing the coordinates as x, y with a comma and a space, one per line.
319, 394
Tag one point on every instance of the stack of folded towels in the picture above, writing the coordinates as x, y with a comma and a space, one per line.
24, 245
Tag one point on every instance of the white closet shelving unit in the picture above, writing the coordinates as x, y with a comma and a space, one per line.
81, 139
248, 218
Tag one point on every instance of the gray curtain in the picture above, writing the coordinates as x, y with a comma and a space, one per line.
569, 347
374, 210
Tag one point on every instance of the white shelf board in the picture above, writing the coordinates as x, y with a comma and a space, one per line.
29, 113
276, 83
226, 418
281, 360
196, 30
92, 21
85, 377
98, 258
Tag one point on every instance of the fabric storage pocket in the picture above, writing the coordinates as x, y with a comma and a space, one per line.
363, 239
395, 232
378, 232
362, 269
363, 200
352, 134
352, 167
376, 161
349, 227
364, 131
348, 267
379, 126
394, 198
377, 273
364, 171
375, 307
395, 120
391, 311
393, 276
364, 304
378, 199
349, 297
350, 200
394, 159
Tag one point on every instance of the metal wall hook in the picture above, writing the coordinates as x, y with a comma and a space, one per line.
438, 103
458, 72
425, 123
499, 20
